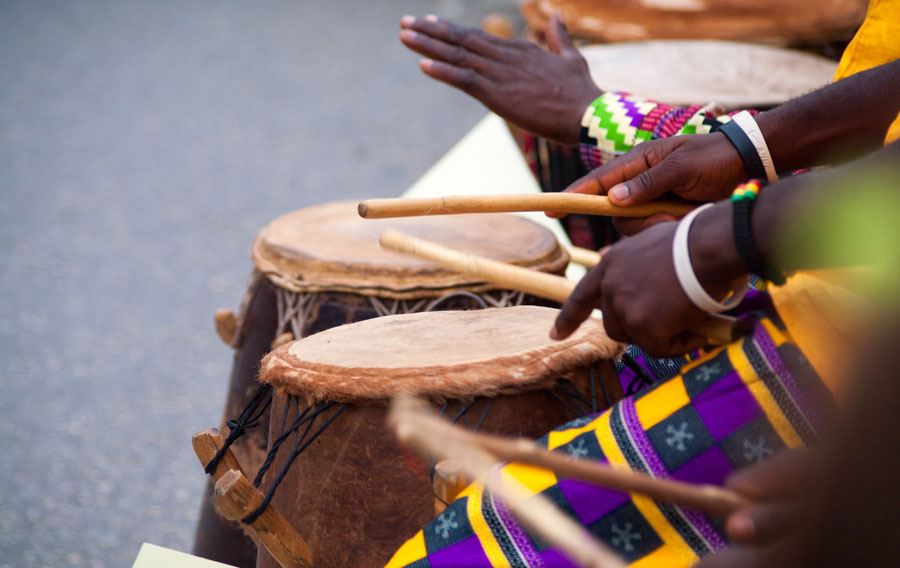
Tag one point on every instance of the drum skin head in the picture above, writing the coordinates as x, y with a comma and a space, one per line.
331, 248
438, 355
689, 72
771, 21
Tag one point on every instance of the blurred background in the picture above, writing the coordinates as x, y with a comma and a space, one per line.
142, 147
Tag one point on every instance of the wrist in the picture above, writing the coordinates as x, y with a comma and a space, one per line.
581, 109
748, 140
734, 165
714, 255
780, 147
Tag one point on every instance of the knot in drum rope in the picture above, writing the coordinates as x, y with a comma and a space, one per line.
249, 418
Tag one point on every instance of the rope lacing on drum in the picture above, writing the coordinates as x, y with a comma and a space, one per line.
301, 442
249, 418
455, 295
293, 309
642, 377
593, 373
461, 414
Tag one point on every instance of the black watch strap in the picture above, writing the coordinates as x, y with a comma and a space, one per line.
745, 149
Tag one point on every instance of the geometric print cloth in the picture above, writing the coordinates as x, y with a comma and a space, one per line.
733, 406
616, 122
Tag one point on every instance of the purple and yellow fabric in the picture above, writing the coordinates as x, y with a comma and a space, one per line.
731, 407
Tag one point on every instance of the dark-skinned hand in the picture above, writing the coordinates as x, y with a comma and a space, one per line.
636, 288
543, 92
694, 167
775, 529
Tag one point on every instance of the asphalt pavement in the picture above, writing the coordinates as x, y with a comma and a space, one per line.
142, 146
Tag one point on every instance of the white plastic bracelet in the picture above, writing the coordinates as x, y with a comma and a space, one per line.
748, 124
685, 272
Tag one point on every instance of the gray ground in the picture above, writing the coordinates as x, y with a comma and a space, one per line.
142, 145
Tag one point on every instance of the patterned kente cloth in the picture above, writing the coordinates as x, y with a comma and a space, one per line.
732, 407
616, 122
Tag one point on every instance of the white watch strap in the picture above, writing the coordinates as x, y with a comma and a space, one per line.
685, 271
748, 124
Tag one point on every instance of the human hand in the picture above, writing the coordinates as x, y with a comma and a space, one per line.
636, 288
775, 529
694, 167
544, 92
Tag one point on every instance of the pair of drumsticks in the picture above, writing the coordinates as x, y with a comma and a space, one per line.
718, 329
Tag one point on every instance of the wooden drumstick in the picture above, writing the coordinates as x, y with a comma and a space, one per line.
431, 433
238, 498
585, 257
206, 445
718, 329
549, 202
535, 512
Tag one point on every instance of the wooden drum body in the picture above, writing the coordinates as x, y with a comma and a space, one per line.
354, 494
320, 267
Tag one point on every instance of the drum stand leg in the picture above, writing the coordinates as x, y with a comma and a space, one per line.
449, 480
238, 497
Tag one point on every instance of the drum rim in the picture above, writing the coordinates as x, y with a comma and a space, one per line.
524, 370
429, 280
835, 29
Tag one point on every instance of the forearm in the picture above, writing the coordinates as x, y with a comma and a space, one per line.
794, 219
836, 123
826, 218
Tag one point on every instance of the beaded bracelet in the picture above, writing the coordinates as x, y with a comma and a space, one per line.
742, 199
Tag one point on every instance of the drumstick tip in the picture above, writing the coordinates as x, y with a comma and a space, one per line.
363, 209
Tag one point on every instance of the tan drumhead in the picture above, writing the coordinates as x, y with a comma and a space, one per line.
453, 354
329, 247
687, 72
773, 21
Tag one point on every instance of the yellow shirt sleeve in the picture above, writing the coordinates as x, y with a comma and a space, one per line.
893, 132
876, 42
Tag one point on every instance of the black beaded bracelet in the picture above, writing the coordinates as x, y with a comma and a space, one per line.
745, 149
742, 200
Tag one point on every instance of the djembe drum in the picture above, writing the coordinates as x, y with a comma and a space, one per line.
320, 267
346, 485
676, 73
776, 22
